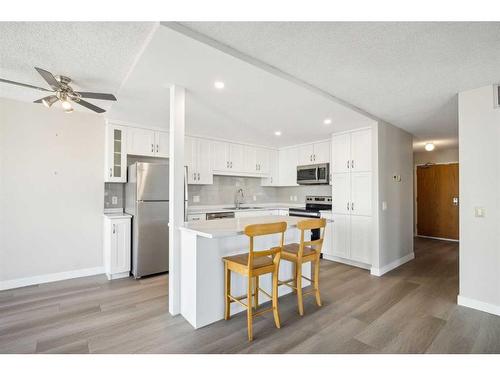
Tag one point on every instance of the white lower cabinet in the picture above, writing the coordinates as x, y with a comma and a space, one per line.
351, 239
117, 236
361, 239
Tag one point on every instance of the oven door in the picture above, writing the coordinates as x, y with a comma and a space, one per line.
307, 174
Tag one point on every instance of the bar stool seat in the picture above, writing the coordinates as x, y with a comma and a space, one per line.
242, 259
292, 251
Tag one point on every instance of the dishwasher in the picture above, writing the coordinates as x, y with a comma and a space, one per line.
220, 215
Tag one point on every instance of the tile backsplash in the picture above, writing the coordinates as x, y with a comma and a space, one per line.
224, 189
111, 190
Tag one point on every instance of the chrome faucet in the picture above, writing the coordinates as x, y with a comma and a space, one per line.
238, 198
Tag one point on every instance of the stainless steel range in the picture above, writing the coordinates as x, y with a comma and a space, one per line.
314, 204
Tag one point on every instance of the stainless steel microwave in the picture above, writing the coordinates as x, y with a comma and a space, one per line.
315, 174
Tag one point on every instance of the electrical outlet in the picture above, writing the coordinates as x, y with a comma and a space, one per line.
396, 178
196, 198
114, 199
384, 205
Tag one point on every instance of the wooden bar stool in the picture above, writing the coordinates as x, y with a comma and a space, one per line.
252, 265
303, 252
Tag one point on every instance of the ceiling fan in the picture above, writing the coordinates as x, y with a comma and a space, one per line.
63, 92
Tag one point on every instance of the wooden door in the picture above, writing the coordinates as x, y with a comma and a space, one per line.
437, 201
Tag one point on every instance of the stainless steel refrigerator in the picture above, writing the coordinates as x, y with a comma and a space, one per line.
147, 199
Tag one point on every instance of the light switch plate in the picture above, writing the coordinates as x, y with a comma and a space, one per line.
196, 198
396, 178
479, 211
384, 205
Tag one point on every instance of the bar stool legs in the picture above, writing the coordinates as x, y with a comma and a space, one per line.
227, 292
298, 282
316, 282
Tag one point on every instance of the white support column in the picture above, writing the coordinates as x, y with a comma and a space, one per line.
176, 195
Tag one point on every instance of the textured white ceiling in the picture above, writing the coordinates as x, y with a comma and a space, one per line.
96, 55
253, 104
407, 74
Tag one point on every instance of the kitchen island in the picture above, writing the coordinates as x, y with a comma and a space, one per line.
204, 244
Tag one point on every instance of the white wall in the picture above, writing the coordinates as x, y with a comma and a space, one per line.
479, 143
449, 155
395, 225
51, 192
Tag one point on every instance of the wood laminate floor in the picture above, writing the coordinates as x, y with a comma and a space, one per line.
409, 310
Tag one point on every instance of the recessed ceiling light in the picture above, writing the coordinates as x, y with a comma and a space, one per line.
219, 85
327, 121
278, 133
429, 146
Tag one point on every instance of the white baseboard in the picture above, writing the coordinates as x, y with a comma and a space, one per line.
346, 261
478, 305
47, 278
438, 238
382, 270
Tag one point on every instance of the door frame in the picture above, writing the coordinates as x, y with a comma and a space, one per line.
415, 194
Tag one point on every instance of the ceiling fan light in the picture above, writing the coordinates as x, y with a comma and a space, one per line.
69, 110
66, 106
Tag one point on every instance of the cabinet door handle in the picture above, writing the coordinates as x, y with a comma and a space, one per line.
152, 147
231, 163
314, 157
198, 177
157, 148
194, 176
347, 206
110, 172
347, 164
227, 164
114, 229
352, 206
352, 163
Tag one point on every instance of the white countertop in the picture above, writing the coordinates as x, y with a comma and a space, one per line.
225, 207
234, 227
117, 215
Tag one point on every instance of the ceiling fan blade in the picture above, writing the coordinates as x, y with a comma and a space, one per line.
96, 95
90, 106
49, 78
47, 101
23, 84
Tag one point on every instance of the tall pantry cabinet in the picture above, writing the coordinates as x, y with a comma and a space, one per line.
352, 209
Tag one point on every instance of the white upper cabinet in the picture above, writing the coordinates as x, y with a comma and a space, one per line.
146, 142
288, 161
162, 141
262, 159
220, 156
250, 159
237, 157
321, 152
141, 142
305, 154
361, 150
115, 166
341, 153
273, 169
197, 154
